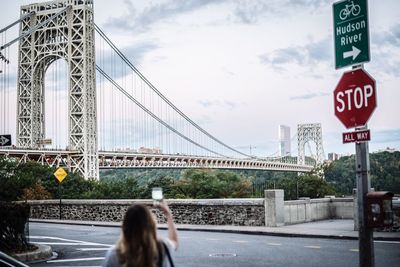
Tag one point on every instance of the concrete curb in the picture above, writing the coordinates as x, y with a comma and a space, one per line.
42, 253
277, 233
239, 230
255, 232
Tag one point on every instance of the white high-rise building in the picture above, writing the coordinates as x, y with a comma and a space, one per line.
284, 140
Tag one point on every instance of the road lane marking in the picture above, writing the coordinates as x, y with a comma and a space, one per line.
222, 255
387, 242
49, 237
73, 260
213, 239
314, 247
63, 243
92, 249
354, 250
73, 242
240, 241
274, 244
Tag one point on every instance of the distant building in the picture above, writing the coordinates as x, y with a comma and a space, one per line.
146, 150
284, 141
333, 156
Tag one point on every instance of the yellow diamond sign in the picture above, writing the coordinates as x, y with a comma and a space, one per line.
60, 174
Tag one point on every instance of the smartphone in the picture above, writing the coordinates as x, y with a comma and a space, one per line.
156, 195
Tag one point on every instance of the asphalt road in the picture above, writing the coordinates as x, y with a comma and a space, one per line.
86, 246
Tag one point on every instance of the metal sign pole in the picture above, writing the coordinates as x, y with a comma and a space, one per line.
365, 234
59, 195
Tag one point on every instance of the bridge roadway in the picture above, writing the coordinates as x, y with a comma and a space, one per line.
132, 160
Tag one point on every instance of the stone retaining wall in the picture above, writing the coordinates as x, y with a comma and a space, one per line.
248, 212
270, 211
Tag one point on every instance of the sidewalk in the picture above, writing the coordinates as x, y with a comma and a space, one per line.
339, 229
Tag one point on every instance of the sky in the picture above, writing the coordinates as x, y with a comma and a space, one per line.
241, 68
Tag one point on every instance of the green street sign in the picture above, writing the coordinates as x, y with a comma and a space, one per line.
350, 27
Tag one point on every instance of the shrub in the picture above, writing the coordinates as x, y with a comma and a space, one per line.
13, 217
35, 192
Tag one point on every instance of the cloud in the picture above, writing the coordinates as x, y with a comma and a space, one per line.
111, 63
308, 96
284, 56
386, 136
203, 119
320, 51
244, 11
136, 53
11, 77
385, 50
385, 62
250, 11
307, 3
217, 103
310, 54
135, 21
391, 37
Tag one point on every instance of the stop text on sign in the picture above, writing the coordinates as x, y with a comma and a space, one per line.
354, 98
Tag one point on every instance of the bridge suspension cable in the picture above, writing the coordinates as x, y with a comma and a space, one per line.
33, 29
152, 87
4, 86
16, 22
152, 114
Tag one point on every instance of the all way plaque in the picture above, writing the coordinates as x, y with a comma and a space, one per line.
359, 136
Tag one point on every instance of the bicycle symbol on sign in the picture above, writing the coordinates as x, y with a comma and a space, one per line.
349, 9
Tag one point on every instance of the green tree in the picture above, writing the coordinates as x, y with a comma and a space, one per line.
37, 192
20, 180
289, 186
15, 177
313, 186
384, 171
114, 189
212, 184
10, 188
341, 174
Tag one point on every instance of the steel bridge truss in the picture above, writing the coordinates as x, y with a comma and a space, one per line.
121, 160
62, 29
309, 132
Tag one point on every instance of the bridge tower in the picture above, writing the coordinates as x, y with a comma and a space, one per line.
69, 36
306, 133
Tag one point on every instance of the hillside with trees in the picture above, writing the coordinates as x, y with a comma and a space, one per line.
384, 170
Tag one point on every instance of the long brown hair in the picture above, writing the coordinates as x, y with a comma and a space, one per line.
138, 246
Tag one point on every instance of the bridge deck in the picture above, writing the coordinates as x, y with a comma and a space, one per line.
130, 160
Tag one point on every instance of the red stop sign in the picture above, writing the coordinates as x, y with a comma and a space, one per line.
355, 98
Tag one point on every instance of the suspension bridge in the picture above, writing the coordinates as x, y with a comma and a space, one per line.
80, 103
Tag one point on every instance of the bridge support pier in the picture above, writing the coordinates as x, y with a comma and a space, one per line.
68, 36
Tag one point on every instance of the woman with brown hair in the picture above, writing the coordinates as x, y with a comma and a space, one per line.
138, 245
